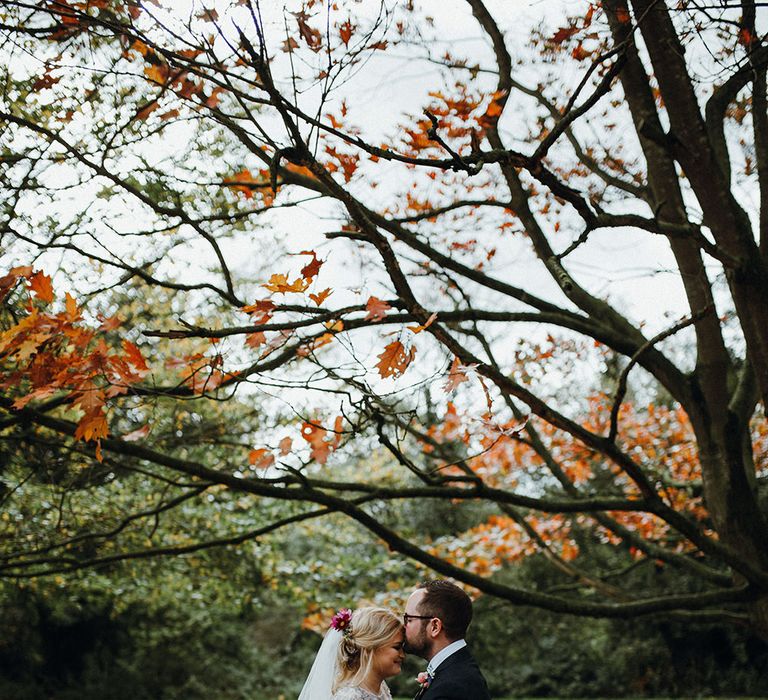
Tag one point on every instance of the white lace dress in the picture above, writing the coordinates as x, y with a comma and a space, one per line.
358, 693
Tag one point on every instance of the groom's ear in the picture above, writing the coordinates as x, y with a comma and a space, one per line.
435, 627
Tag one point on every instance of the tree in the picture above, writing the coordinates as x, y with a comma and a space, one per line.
458, 318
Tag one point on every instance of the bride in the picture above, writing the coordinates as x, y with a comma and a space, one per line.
360, 650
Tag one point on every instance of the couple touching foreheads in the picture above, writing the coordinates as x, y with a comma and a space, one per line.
364, 647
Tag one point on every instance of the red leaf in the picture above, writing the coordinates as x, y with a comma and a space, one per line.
563, 33
311, 269
311, 36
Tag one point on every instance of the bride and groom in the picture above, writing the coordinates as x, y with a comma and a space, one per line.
364, 647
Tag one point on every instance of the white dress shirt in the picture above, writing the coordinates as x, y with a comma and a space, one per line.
443, 654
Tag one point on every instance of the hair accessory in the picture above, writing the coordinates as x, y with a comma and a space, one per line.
342, 621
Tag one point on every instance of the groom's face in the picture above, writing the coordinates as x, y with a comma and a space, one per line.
416, 640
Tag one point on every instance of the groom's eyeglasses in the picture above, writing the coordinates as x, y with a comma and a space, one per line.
407, 617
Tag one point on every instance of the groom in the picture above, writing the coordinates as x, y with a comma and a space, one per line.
436, 619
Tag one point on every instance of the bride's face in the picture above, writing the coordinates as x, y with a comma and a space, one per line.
388, 658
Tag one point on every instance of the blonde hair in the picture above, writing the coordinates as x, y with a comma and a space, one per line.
370, 629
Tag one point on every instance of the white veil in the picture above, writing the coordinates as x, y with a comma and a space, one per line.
320, 679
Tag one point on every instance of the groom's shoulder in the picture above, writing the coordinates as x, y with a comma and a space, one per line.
461, 680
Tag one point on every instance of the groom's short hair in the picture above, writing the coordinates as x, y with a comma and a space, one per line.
448, 602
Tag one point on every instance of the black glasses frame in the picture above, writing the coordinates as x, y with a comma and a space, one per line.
407, 617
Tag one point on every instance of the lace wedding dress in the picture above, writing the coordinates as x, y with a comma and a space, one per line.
358, 693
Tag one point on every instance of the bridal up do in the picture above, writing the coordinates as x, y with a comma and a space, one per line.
370, 629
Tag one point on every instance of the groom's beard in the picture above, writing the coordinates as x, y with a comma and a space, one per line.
418, 645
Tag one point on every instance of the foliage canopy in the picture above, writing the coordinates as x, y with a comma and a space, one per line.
171, 313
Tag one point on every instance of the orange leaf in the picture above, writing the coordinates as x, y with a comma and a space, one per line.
279, 283
240, 182
91, 427
134, 356
320, 297
40, 284
157, 73
285, 446
376, 309
394, 360
419, 329
73, 313
315, 436
261, 309
254, 340
457, 374
261, 458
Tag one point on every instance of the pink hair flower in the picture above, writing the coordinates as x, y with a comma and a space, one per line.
342, 621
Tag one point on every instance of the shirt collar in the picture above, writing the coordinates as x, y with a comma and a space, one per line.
443, 654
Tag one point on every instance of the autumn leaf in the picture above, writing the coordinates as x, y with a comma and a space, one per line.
376, 308
345, 32
457, 374
315, 436
254, 340
320, 297
395, 359
40, 284
311, 269
134, 356
109, 323
419, 329
261, 310
157, 73
290, 44
285, 446
311, 36
563, 33
261, 458
45, 82
70, 304
278, 283
241, 182
170, 114
6, 285
145, 111
92, 427
214, 99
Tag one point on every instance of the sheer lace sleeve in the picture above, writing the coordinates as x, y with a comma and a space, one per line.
348, 693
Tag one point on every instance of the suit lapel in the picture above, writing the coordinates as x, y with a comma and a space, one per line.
458, 656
